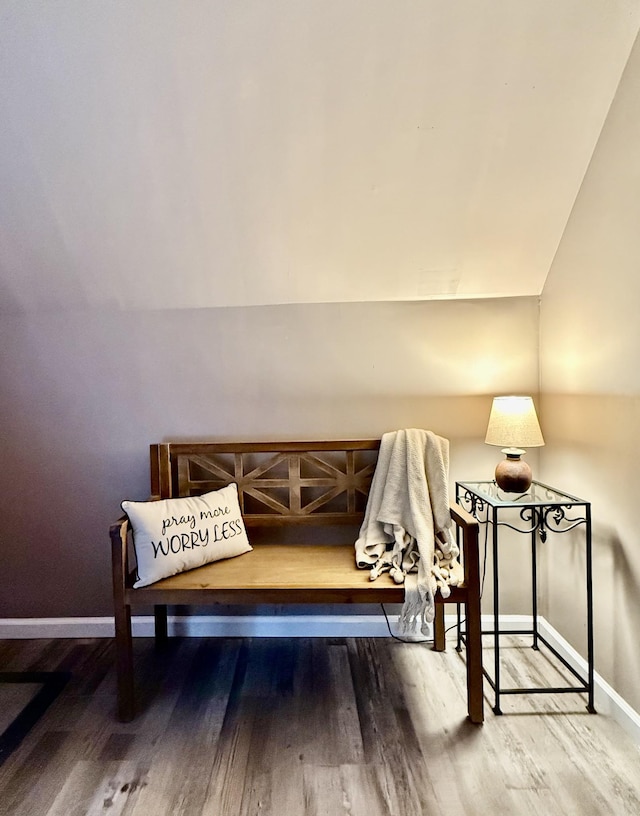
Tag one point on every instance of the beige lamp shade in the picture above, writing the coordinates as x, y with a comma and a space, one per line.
513, 423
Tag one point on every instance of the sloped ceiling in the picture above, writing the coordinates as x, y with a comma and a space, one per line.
156, 154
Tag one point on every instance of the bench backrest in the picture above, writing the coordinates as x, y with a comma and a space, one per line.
279, 483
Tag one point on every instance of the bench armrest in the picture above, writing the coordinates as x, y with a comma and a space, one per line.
468, 527
118, 534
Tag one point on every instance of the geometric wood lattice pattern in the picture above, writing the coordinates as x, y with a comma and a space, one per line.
284, 484
279, 483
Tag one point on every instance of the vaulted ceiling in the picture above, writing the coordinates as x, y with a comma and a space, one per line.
156, 154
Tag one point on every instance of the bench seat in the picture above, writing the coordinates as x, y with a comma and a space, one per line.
277, 573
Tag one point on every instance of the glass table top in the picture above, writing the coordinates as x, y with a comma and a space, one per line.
537, 494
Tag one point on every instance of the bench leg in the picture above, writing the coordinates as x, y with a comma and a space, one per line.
475, 693
124, 663
161, 625
439, 640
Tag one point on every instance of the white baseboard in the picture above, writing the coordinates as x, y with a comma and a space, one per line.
219, 626
607, 700
202, 626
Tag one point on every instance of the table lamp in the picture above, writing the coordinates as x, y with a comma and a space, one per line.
513, 425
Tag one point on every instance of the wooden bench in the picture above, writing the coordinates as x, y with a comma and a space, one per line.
302, 504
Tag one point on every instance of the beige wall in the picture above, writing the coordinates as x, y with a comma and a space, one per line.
590, 348
85, 392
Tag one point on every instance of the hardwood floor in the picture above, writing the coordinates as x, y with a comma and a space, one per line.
367, 727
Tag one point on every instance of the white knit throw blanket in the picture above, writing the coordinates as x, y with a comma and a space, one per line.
407, 527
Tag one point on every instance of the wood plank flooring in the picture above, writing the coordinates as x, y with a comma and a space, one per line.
307, 727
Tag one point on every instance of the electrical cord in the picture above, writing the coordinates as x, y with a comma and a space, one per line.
397, 637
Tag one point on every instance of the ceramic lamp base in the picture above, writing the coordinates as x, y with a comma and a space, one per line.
513, 474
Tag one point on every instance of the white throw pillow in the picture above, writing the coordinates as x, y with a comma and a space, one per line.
174, 535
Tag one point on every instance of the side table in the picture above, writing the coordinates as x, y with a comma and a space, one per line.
542, 509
